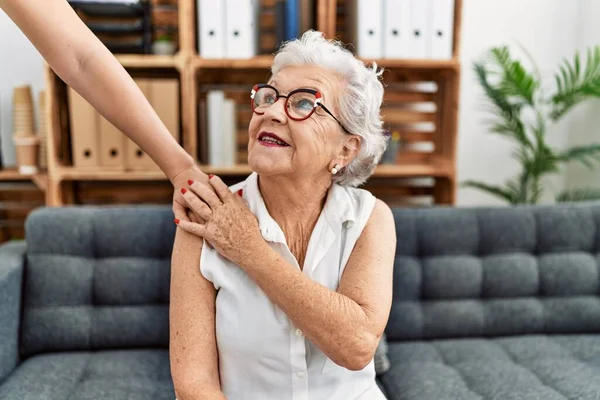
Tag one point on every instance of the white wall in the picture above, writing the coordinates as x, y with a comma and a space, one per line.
20, 63
548, 30
585, 127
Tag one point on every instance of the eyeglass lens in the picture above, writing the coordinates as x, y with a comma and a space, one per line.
299, 105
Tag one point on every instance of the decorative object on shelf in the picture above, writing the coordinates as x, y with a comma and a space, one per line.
164, 45
514, 93
24, 136
27, 154
165, 21
23, 112
393, 147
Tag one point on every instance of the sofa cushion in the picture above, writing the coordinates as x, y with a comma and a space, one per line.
97, 278
469, 272
532, 367
106, 375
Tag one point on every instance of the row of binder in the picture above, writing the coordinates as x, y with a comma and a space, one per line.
231, 28
227, 28
401, 29
95, 142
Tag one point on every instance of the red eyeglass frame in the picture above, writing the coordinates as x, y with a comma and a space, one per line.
316, 93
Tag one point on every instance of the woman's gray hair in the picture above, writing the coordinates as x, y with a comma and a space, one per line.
359, 103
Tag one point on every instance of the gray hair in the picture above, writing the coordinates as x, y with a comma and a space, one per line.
359, 103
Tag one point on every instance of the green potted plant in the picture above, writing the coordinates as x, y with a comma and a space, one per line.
164, 45
513, 94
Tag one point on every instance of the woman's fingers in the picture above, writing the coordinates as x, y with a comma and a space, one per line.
196, 204
220, 188
179, 207
191, 227
206, 193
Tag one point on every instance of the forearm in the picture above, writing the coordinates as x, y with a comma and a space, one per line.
333, 322
85, 64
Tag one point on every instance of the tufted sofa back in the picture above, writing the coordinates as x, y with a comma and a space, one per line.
97, 278
463, 272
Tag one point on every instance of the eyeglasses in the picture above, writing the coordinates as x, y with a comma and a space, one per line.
300, 104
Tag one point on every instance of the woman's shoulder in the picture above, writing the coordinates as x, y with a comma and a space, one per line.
362, 205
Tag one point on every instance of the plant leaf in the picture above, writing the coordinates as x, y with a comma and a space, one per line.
580, 194
574, 85
495, 190
583, 154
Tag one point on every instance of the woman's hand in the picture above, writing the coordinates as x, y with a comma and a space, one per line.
180, 180
230, 226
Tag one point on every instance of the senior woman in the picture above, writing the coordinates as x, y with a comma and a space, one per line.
291, 297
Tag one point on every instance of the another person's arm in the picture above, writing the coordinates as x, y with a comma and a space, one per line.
82, 61
193, 348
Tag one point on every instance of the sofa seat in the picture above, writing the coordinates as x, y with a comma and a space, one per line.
103, 375
528, 367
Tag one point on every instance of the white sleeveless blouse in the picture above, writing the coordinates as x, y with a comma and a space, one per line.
262, 355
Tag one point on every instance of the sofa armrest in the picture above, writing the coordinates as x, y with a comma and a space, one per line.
12, 261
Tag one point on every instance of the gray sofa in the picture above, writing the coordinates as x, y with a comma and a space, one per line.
489, 303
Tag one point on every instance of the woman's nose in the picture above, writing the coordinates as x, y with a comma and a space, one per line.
276, 112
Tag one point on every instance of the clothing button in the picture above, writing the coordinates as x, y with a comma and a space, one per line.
300, 374
298, 332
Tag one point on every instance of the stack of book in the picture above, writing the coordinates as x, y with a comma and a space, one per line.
124, 26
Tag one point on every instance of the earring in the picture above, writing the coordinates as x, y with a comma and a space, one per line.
335, 169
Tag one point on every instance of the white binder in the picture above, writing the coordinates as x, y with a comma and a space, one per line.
419, 40
228, 135
241, 28
211, 28
442, 30
366, 27
395, 28
214, 107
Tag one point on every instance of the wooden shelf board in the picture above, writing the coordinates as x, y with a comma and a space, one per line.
265, 61
97, 174
416, 64
149, 61
411, 171
12, 174
258, 62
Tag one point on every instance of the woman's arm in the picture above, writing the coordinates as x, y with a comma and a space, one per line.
193, 348
348, 324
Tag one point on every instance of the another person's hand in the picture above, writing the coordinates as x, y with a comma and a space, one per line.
230, 226
180, 206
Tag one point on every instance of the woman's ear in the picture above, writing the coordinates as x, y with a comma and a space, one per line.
350, 149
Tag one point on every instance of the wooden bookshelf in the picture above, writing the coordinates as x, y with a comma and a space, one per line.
437, 162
